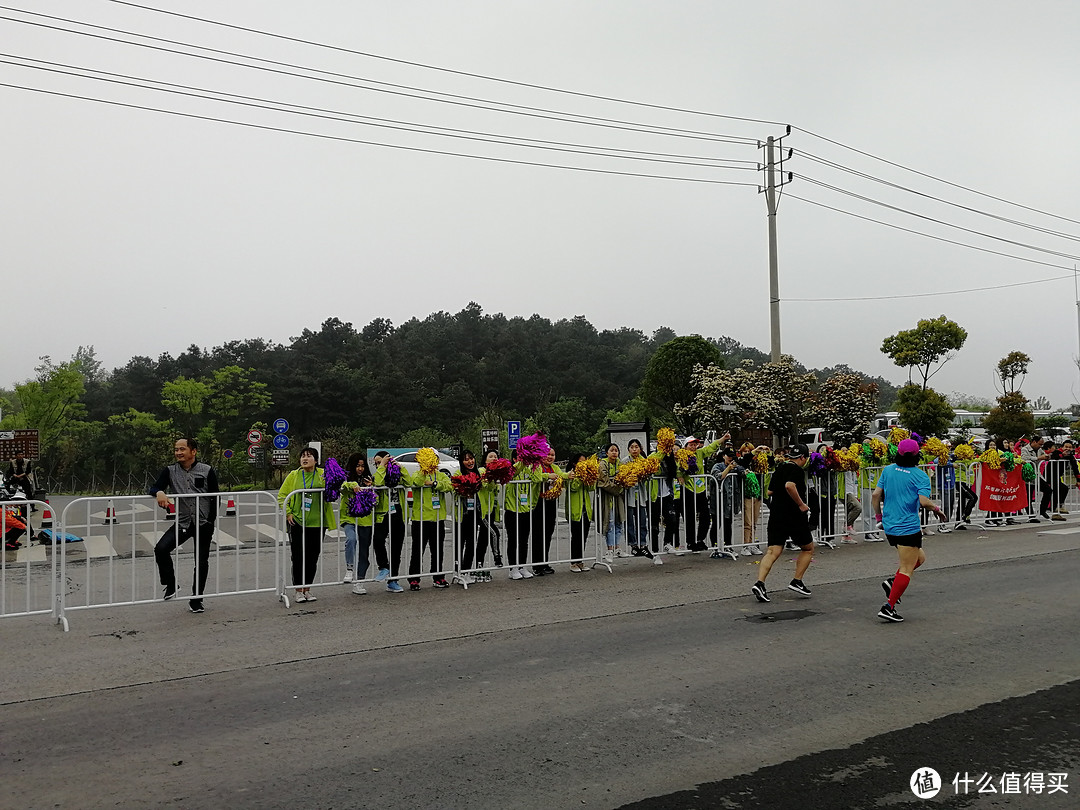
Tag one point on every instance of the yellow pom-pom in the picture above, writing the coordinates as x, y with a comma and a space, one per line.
682, 457
552, 489
964, 452
651, 466
588, 471
665, 440
992, 459
897, 435
428, 460
935, 450
879, 448
629, 473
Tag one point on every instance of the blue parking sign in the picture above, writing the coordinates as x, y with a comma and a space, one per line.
513, 433
281, 441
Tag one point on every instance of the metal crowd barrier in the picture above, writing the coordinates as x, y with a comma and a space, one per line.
28, 578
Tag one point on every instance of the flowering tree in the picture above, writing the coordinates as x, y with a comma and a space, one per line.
844, 407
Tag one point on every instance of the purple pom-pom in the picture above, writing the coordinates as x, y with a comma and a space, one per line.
533, 449
333, 474
393, 473
816, 464
361, 503
691, 465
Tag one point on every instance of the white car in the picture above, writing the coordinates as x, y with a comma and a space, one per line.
447, 464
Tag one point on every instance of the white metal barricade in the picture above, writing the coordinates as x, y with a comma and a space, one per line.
28, 565
127, 545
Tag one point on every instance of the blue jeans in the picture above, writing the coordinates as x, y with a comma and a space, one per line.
357, 536
614, 532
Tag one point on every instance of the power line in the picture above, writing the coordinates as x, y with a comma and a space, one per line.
935, 177
343, 139
333, 115
898, 209
465, 101
864, 175
445, 69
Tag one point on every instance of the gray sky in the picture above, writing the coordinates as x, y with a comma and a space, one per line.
141, 233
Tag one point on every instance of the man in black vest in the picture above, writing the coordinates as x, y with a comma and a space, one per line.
196, 514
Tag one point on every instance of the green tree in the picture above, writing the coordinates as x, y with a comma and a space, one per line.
1011, 366
1011, 418
235, 401
927, 347
1053, 420
924, 410
185, 401
668, 377
568, 424
50, 403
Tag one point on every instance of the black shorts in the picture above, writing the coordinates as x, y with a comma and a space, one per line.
910, 540
793, 528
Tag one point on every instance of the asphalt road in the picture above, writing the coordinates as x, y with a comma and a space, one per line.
652, 688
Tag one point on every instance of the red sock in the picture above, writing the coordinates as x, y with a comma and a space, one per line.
899, 585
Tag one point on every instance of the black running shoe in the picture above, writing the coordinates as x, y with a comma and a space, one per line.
759, 592
798, 586
196, 606
414, 584
888, 614
886, 585
169, 592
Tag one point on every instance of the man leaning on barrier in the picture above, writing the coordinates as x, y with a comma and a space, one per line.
191, 478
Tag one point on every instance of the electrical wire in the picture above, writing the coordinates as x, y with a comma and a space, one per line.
465, 101
934, 177
334, 115
898, 209
864, 175
445, 69
325, 136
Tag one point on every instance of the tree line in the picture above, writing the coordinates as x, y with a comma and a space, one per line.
436, 381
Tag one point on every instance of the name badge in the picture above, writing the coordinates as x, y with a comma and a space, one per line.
677, 489
307, 503
470, 504
393, 507
435, 502
523, 499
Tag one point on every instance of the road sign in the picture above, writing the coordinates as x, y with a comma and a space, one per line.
513, 433
281, 426
279, 458
253, 450
254, 436
489, 440
281, 442
227, 453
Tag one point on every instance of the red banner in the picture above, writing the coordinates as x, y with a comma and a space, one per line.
1002, 491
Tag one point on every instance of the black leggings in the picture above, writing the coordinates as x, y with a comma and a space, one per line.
517, 537
472, 532
579, 533
394, 526
429, 533
305, 543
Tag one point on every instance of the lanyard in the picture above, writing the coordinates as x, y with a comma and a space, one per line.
303, 479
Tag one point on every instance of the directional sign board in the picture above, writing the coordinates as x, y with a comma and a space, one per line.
513, 433
489, 440
14, 441
281, 442
281, 426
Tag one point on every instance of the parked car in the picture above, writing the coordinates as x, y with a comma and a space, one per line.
447, 464
812, 437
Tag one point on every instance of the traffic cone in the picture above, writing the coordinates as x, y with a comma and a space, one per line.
230, 508
46, 516
110, 515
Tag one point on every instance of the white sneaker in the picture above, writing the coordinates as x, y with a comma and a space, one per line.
757, 550
874, 537
467, 579
525, 572
515, 573
944, 529
745, 551
668, 548
609, 558
358, 589
348, 575
575, 568
620, 553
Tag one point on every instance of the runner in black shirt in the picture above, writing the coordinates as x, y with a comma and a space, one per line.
787, 520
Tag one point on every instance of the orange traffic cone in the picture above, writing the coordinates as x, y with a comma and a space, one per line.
171, 509
46, 516
110, 515
230, 508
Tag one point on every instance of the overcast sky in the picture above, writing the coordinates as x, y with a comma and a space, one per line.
140, 232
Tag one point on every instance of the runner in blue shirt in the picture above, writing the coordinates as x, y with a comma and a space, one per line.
904, 488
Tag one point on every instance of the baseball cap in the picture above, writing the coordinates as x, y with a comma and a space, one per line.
907, 447
797, 450
689, 439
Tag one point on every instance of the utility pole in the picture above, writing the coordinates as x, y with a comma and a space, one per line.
774, 280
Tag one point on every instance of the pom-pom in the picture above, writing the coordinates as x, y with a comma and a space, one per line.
533, 449
832, 459
751, 485
428, 460
665, 440
652, 466
934, 450
682, 458
691, 464
334, 477
897, 435
1009, 461
362, 502
761, 462
466, 484
393, 473
847, 458
964, 452
588, 471
499, 471
552, 489
1027, 472
992, 459
816, 464
629, 473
